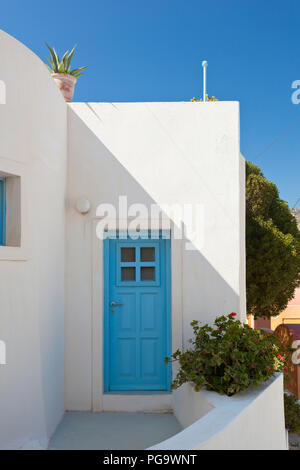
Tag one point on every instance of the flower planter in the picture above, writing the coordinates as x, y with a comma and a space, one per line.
249, 420
66, 84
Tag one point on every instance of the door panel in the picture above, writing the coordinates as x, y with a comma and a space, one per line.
149, 312
138, 315
149, 358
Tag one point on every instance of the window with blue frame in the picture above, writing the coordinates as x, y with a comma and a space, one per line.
138, 265
2, 210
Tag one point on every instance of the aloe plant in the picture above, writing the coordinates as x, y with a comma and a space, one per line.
63, 65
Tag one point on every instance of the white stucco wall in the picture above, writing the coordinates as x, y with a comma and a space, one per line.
251, 420
161, 153
33, 145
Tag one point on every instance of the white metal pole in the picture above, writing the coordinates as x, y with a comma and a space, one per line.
204, 65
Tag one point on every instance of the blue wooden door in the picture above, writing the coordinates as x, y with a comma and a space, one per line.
137, 320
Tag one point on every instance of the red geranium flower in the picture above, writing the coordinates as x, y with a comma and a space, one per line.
279, 356
233, 314
285, 369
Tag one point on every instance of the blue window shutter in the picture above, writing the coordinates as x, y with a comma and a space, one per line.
2, 210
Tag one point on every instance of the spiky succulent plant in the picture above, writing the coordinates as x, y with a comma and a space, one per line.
63, 65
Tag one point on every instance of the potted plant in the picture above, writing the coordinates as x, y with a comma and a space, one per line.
64, 77
229, 357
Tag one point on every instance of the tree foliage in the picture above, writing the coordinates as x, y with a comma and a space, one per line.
292, 413
272, 247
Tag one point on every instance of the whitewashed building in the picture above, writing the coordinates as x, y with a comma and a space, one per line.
84, 320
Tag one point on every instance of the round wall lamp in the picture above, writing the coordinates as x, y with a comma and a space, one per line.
83, 206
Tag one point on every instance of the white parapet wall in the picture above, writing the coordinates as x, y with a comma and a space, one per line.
252, 420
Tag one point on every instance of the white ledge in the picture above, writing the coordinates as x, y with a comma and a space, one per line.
253, 419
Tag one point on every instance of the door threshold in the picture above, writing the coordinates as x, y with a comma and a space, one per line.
138, 402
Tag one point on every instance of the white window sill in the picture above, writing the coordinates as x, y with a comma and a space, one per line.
13, 253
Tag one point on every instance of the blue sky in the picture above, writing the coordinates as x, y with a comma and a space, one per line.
151, 50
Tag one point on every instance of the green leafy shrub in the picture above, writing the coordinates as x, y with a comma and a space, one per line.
228, 358
292, 413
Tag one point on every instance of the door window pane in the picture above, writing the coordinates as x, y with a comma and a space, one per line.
148, 254
128, 255
128, 274
147, 274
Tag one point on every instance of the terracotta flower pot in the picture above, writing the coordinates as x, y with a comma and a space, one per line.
66, 84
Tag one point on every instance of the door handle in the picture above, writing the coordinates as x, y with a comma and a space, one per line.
115, 304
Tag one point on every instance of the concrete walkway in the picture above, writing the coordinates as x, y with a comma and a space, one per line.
113, 431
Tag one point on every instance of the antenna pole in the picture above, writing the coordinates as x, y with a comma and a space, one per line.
204, 65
